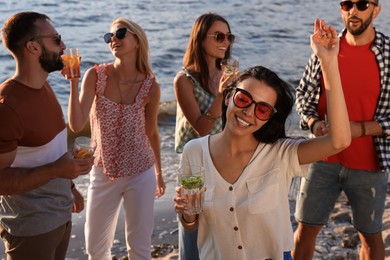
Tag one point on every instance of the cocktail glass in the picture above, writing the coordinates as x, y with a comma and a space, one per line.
191, 181
83, 147
71, 60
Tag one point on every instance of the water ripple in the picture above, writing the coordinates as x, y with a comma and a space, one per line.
270, 33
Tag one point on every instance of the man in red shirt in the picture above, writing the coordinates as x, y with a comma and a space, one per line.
361, 170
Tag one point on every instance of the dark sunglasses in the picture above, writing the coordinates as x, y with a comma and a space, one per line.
55, 37
119, 34
360, 5
220, 37
243, 99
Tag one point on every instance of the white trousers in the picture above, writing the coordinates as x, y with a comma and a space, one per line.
103, 206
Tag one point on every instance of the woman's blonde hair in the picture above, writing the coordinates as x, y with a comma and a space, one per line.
142, 63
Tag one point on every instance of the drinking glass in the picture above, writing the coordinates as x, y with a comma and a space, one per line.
230, 67
191, 181
83, 147
71, 60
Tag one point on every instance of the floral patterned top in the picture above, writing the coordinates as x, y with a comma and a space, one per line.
123, 148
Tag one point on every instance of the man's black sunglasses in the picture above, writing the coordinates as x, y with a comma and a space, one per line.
119, 34
360, 5
56, 38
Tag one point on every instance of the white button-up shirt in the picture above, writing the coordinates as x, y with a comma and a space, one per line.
249, 219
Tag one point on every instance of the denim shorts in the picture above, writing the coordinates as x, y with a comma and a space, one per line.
365, 190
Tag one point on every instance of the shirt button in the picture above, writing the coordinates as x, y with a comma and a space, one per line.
240, 247
235, 228
230, 188
231, 209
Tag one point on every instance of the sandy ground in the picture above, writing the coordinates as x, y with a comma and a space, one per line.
165, 229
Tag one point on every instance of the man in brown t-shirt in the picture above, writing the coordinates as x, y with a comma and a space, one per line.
36, 171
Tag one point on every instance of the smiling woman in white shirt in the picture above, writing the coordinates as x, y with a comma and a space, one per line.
250, 164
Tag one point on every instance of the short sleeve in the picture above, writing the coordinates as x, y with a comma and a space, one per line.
10, 129
289, 157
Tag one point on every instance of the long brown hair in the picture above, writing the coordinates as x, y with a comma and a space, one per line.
195, 56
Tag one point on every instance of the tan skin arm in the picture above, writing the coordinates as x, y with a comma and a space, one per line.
19, 180
184, 93
79, 106
372, 128
325, 45
151, 125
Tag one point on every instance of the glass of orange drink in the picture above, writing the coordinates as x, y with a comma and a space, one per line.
83, 147
71, 60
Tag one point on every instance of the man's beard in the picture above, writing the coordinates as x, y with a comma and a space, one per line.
364, 25
50, 61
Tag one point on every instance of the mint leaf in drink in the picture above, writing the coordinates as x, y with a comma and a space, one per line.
192, 182
229, 69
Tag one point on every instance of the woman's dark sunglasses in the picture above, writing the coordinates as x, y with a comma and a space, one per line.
220, 37
360, 5
56, 38
243, 99
119, 34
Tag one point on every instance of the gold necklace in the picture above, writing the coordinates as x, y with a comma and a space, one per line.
130, 83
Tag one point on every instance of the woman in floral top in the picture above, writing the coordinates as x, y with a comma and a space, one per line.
122, 99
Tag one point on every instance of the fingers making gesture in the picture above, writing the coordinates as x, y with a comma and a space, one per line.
324, 40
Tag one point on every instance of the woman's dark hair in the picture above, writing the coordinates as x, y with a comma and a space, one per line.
274, 129
195, 55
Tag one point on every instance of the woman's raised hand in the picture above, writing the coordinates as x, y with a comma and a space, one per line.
324, 40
